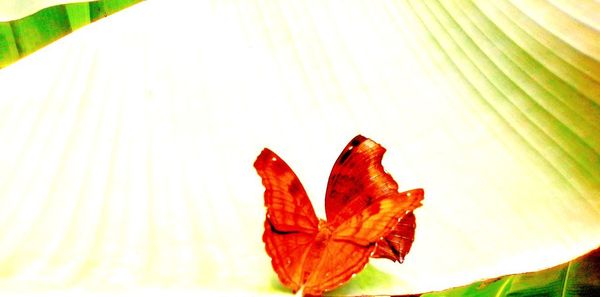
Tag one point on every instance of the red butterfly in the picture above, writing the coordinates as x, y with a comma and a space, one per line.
366, 217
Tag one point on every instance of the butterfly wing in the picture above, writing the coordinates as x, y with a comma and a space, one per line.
347, 177
377, 219
291, 224
338, 261
358, 178
347, 249
288, 252
397, 243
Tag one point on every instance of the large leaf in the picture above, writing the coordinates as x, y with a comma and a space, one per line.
126, 148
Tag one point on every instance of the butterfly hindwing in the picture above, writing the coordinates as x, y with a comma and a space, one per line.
339, 261
379, 218
397, 243
350, 245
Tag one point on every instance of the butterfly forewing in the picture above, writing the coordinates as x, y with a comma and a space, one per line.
288, 206
357, 179
291, 224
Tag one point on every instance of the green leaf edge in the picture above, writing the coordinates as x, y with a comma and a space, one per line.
585, 283
19, 38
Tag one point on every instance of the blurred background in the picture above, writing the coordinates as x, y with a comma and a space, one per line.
126, 147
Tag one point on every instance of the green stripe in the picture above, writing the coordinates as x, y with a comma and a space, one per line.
8, 46
79, 15
31, 33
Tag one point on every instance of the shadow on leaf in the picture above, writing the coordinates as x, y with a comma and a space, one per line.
369, 278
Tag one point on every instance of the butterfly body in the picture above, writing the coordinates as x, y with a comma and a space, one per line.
363, 208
